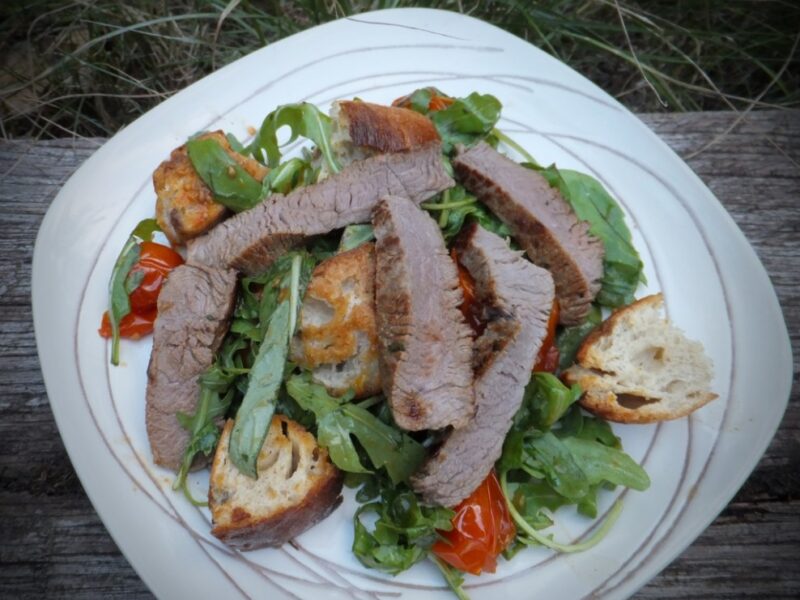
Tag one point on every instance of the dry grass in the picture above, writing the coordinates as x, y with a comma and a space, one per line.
87, 68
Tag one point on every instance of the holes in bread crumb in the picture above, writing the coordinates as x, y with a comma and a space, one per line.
316, 312
634, 402
315, 454
295, 460
650, 356
285, 429
676, 386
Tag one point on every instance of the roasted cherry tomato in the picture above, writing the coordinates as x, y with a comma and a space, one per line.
482, 528
133, 325
469, 308
155, 262
547, 360
437, 102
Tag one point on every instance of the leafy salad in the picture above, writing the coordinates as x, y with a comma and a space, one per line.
554, 456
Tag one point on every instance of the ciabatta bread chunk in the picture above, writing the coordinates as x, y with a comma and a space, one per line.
361, 129
185, 207
297, 486
337, 339
639, 368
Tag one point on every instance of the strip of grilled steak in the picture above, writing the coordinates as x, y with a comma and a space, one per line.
542, 222
425, 344
252, 240
516, 297
194, 308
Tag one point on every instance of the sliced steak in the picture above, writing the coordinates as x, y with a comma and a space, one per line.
194, 308
516, 298
541, 221
252, 240
425, 344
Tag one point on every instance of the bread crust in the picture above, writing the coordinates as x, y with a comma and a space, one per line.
185, 207
636, 405
240, 528
385, 128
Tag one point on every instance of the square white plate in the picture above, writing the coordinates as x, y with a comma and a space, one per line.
714, 285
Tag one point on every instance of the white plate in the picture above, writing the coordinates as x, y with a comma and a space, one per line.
715, 289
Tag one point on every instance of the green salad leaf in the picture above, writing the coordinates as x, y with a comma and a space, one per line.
338, 421
456, 206
303, 119
569, 339
279, 307
403, 532
230, 184
122, 282
287, 176
355, 235
467, 120
600, 463
622, 266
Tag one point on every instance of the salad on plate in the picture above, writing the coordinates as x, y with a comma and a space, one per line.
398, 306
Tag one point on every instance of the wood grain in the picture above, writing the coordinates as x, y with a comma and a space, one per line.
53, 544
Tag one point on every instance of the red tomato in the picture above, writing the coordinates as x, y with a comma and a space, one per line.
547, 360
469, 307
436, 102
439, 103
133, 325
155, 262
482, 528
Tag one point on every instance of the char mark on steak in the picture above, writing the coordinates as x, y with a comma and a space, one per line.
425, 344
253, 239
194, 309
542, 222
516, 297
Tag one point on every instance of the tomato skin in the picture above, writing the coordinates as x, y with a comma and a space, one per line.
133, 325
482, 528
547, 359
439, 103
155, 263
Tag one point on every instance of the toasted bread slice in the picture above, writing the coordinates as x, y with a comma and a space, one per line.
639, 368
297, 486
362, 129
337, 338
185, 207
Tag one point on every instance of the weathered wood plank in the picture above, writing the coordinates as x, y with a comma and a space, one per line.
53, 543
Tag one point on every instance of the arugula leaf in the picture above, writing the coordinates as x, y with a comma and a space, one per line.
457, 206
532, 498
453, 577
403, 532
549, 399
287, 176
230, 184
279, 312
121, 284
355, 235
303, 119
569, 340
601, 463
622, 266
467, 120
203, 430
338, 421
556, 461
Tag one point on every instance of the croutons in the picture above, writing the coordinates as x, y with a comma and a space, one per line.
337, 336
297, 487
639, 368
185, 207
362, 129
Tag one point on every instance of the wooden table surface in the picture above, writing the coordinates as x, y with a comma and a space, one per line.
53, 544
